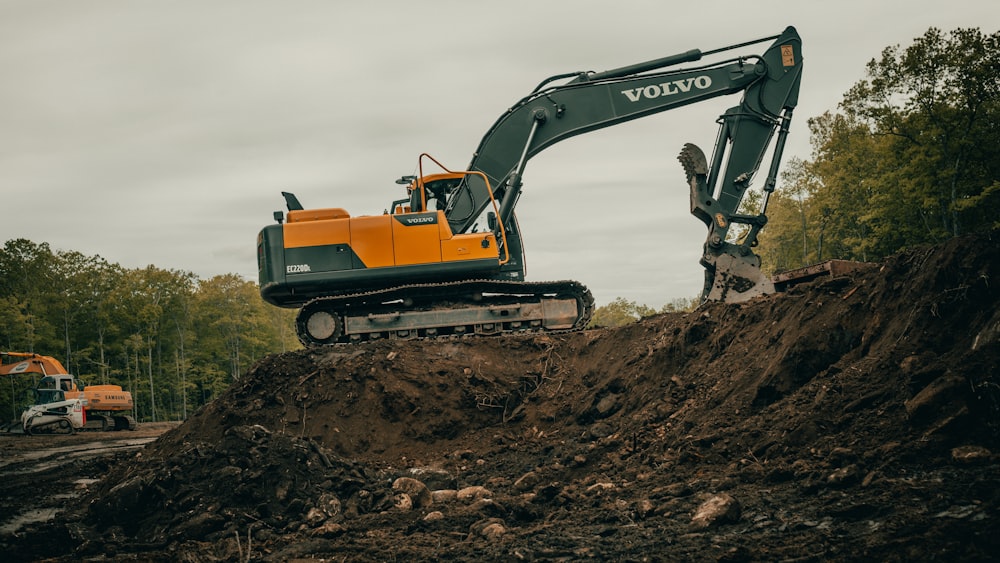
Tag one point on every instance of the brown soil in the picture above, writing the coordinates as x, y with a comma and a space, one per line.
847, 419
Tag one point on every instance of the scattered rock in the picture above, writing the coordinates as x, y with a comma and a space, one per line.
843, 476
434, 516
601, 430
418, 492
200, 525
315, 516
644, 508
476, 492
402, 502
443, 495
328, 529
971, 454
527, 482
491, 529
598, 488
840, 456
608, 405
717, 510
434, 478
942, 397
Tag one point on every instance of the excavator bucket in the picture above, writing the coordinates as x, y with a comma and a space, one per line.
732, 271
734, 279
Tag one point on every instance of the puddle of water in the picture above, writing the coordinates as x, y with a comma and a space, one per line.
36, 515
54, 457
47, 452
65, 454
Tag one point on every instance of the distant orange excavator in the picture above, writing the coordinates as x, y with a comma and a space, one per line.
60, 405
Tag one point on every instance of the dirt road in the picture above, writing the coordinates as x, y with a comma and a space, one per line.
41, 476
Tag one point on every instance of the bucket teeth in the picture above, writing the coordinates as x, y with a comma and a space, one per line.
693, 160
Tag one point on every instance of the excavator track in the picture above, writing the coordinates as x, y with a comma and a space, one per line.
483, 307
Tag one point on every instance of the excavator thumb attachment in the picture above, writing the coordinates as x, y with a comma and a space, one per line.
732, 271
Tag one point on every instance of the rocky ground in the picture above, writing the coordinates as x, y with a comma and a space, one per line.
846, 419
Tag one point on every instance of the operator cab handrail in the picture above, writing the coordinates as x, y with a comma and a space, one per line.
419, 182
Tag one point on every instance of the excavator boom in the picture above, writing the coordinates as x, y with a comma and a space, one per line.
553, 113
16, 363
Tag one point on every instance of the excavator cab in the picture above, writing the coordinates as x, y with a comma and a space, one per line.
429, 193
47, 396
64, 383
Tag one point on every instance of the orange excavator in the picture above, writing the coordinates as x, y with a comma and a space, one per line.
447, 259
61, 404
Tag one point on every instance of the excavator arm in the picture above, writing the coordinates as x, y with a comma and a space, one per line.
585, 102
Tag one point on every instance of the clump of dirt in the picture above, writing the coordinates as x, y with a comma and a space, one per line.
848, 418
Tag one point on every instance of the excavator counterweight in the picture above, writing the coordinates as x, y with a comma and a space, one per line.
447, 259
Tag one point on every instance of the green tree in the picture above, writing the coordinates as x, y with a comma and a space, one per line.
16, 324
619, 312
937, 102
790, 241
149, 301
99, 309
26, 272
72, 295
847, 209
233, 322
682, 305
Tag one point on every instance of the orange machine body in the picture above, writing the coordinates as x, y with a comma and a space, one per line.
323, 251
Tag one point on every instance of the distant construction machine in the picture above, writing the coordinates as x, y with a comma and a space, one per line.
60, 405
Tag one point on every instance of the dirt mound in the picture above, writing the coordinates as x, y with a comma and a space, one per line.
849, 418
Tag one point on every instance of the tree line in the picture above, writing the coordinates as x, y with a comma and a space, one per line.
174, 340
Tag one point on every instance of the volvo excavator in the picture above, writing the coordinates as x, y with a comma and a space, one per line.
447, 259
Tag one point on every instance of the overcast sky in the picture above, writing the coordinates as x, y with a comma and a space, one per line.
163, 132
